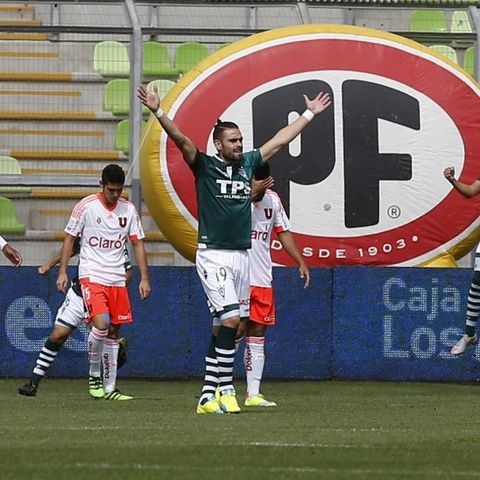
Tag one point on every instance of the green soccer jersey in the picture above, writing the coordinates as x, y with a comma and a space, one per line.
224, 200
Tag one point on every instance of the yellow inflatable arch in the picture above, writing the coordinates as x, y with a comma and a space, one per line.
178, 226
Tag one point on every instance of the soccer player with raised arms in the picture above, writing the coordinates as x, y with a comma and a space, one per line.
105, 221
223, 187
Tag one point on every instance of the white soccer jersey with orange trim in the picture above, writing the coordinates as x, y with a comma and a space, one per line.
267, 215
104, 232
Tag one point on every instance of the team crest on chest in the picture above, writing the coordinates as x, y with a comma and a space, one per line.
243, 173
268, 213
122, 221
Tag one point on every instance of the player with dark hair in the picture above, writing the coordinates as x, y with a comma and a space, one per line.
268, 216
223, 187
105, 221
473, 302
70, 315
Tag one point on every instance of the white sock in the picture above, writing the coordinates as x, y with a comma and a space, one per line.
109, 359
254, 361
96, 339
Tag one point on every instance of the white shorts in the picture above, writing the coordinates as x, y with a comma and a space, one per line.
226, 282
72, 312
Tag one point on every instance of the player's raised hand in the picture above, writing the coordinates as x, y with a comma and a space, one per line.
12, 255
149, 99
449, 173
319, 103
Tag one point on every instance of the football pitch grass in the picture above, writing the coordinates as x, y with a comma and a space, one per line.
320, 430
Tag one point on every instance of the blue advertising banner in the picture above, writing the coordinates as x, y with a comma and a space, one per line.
353, 322
170, 334
400, 323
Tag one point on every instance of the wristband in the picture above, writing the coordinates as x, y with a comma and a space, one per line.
3, 242
308, 114
158, 112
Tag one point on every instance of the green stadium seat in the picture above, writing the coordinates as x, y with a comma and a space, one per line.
188, 55
163, 86
110, 59
156, 61
460, 22
8, 218
117, 96
10, 166
469, 61
122, 136
446, 51
428, 20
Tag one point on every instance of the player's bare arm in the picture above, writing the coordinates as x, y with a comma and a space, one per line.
152, 101
48, 265
144, 287
288, 243
13, 255
55, 260
285, 135
467, 190
65, 254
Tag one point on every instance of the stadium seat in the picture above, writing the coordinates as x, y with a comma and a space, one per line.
460, 22
163, 86
156, 61
110, 59
188, 55
117, 96
10, 166
446, 51
122, 136
469, 61
8, 218
428, 21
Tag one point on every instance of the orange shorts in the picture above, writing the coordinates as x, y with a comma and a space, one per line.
103, 299
262, 305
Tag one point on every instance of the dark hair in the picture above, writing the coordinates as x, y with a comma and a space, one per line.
113, 174
262, 171
220, 127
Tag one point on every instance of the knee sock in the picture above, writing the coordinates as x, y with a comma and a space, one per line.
96, 340
109, 359
225, 350
47, 355
473, 305
254, 360
210, 383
